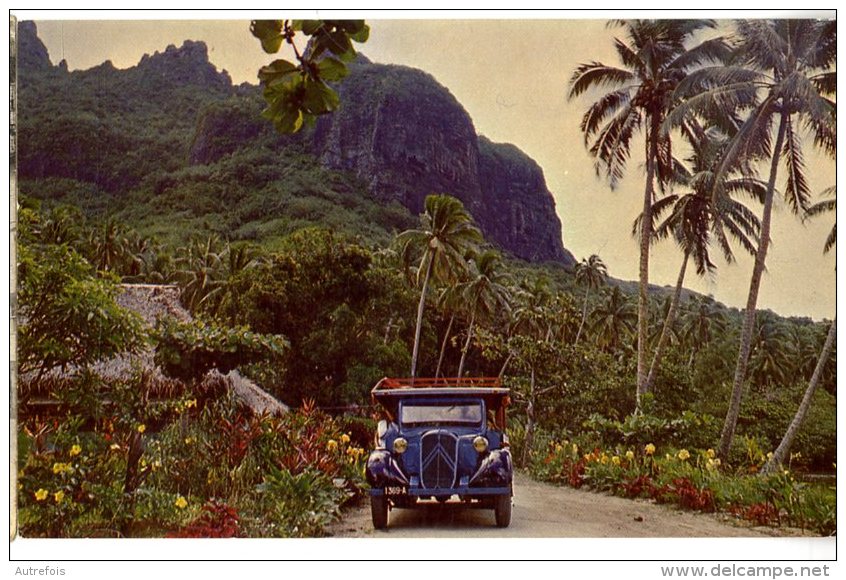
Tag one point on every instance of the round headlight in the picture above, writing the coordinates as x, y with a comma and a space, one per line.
480, 444
400, 445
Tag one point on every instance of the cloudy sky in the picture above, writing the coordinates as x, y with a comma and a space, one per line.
511, 76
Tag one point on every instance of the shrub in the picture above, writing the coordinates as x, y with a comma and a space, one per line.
216, 520
296, 505
690, 479
187, 350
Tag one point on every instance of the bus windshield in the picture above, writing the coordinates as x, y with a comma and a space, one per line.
441, 414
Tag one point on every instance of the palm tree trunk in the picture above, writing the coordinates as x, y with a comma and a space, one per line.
505, 364
388, 329
466, 345
784, 447
584, 316
645, 239
668, 324
530, 423
727, 435
443, 345
420, 307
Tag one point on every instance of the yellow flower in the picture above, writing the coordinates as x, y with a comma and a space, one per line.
190, 403
61, 468
141, 428
629, 454
345, 438
770, 455
75, 450
558, 449
684, 455
575, 448
180, 502
59, 496
649, 449
615, 460
588, 456
41, 494
189, 440
711, 454
114, 447
604, 459
332, 445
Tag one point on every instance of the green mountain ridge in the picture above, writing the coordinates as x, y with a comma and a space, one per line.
173, 118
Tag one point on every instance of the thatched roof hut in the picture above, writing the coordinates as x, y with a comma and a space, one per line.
151, 302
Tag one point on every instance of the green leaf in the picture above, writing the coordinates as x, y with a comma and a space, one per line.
278, 68
271, 44
319, 98
362, 34
311, 26
338, 43
269, 32
332, 69
289, 121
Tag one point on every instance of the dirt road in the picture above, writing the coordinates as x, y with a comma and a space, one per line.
545, 511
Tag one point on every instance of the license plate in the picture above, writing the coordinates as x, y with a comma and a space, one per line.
394, 490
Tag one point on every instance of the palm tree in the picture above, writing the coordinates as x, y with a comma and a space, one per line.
806, 349
591, 272
772, 353
449, 301
530, 335
200, 271
565, 318
613, 319
231, 261
826, 206
782, 77
149, 263
787, 441
484, 293
446, 235
532, 314
702, 321
706, 214
61, 226
109, 246
655, 58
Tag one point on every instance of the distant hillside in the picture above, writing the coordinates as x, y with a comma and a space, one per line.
172, 137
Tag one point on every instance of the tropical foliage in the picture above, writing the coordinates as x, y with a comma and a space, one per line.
297, 93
